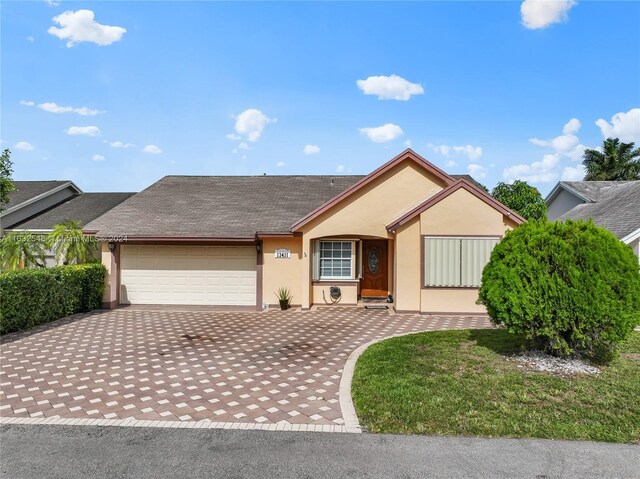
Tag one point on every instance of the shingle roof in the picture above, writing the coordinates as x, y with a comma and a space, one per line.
25, 190
591, 190
220, 206
615, 205
84, 208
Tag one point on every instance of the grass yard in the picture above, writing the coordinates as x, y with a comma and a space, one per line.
459, 383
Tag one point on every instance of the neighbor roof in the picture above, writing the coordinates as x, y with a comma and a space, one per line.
613, 204
219, 206
28, 190
84, 208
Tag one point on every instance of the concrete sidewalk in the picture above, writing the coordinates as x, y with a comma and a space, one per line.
102, 452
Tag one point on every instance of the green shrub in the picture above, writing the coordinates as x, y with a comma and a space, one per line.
30, 297
570, 287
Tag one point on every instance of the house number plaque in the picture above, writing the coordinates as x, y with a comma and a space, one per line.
283, 253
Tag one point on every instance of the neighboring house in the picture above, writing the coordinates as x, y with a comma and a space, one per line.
614, 205
408, 229
37, 206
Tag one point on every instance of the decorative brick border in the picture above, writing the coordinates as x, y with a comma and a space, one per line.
205, 424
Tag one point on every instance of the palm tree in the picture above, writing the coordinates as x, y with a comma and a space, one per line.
23, 250
70, 245
616, 162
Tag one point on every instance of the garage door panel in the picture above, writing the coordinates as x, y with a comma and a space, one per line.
212, 275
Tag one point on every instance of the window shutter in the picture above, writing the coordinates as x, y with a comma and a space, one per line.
442, 262
359, 260
475, 256
315, 263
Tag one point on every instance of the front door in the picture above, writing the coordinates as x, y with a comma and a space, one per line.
375, 274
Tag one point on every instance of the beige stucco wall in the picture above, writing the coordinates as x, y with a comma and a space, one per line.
278, 272
450, 300
407, 266
462, 213
369, 210
349, 292
105, 256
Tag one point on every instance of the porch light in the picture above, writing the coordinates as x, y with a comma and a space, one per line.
258, 247
112, 246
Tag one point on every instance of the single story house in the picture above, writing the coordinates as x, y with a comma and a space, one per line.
37, 206
407, 232
614, 205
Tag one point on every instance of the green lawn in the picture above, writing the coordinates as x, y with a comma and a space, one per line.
458, 383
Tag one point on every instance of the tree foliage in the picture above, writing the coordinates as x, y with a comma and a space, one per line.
69, 244
23, 250
522, 198
6, 185
616, 162
570, 287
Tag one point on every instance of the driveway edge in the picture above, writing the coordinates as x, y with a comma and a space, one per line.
204, 424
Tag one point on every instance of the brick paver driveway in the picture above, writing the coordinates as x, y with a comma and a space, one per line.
265, 367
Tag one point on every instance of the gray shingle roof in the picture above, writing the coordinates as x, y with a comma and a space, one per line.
25, 190
591, 190
220, 206
84, 208
615, 205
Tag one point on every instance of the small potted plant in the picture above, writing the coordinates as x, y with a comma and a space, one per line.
284, 297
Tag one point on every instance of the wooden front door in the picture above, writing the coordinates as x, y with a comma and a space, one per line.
375, 274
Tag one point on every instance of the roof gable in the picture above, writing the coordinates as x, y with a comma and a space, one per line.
452, 188
28, 192
406, 155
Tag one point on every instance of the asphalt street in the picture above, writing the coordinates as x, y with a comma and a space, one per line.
30, 451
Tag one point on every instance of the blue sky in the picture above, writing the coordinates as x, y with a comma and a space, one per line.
501, 90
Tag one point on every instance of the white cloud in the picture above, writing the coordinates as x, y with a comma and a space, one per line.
243, 146
384, 133
280, 164
542, 171
54, 108
84, 130
538, 14
79, 26
477, 171
250, 124
23, 145
567, 144
97, 158
340, 169
450, 164
571, 173
30, 39
472, 152
625, 126
152, 149
311, 149
53, 3
391, 87
27, 103
120, 144
233, 137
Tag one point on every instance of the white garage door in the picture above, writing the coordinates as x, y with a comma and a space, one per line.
215, 275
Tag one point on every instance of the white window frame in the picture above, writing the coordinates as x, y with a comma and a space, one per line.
351, 260
458, 259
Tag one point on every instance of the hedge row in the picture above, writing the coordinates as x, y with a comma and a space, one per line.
30, 297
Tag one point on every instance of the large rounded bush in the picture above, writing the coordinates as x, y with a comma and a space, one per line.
570, 287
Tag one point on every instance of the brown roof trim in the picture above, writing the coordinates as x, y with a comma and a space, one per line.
464, 184
260, 235
407, 154
124, 238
